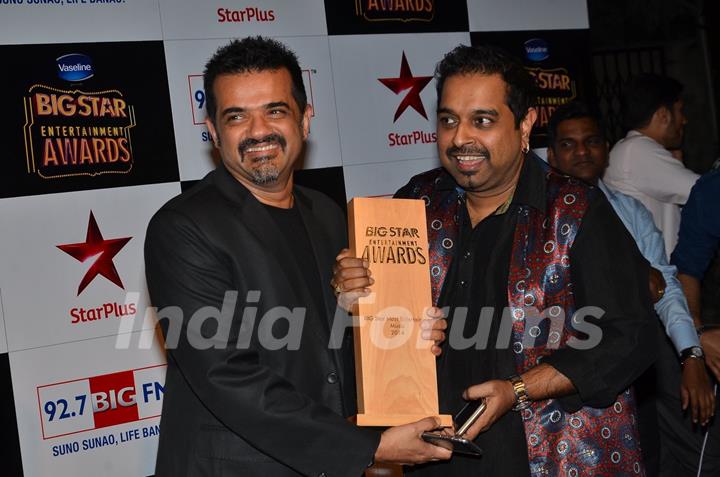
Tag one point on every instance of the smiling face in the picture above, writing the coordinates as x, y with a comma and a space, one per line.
258, 128
580, 150
478, 142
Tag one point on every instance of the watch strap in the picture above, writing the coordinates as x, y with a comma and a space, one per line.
522, 400
693, 352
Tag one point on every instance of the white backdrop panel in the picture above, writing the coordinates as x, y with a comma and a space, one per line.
75, 21
55, 389
370, 180
491, 15
187, 19
186, 62
367, 107
40, 282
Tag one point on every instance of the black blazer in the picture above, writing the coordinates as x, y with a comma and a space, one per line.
242, 409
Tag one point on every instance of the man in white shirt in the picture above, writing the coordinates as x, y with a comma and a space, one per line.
646, 164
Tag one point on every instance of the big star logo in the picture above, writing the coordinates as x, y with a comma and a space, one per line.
406, 81
95, 246
395, 10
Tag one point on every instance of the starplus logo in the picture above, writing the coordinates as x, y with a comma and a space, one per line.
414, 86
246, 15
103, 251
405, 82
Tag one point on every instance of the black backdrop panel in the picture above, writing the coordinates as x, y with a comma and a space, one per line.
85, 116
560, 62
345, 17
10, 450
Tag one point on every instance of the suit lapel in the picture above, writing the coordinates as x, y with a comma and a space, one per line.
320, 242
259, 223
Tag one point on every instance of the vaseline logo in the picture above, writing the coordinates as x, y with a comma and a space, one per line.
75, 67
536, 49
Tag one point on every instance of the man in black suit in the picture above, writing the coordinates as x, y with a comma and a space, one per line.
258, 388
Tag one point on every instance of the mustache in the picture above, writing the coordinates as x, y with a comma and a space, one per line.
468, 151
270, 138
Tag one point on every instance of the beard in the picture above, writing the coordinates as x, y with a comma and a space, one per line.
264, 171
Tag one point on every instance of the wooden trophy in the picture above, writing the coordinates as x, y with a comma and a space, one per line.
395, 370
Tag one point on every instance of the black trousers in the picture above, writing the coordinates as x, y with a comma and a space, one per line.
681, 441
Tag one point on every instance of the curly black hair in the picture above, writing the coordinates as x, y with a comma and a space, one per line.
489, 60
252, 54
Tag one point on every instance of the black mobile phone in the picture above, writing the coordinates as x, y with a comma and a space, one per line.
463, 420
453, 443
468, 415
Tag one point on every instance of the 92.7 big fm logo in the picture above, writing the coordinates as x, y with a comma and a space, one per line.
93, 403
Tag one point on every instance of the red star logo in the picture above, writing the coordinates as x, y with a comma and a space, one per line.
407, 81
95, 245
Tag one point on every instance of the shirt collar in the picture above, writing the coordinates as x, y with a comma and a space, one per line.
531, 184
605, 190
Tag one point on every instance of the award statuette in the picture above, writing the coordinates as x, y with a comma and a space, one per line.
395, 370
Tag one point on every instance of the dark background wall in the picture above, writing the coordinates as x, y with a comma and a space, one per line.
682, 39
679, 38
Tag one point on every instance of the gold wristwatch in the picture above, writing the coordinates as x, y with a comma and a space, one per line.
522, 400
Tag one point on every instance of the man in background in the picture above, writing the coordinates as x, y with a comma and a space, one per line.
646, 164
577, 147
698, 243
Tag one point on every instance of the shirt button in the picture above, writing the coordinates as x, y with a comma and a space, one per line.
467, 255
462, 283
332, 378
